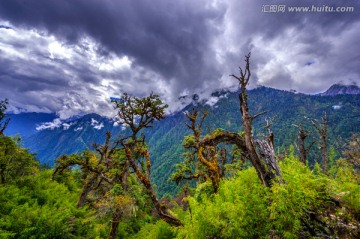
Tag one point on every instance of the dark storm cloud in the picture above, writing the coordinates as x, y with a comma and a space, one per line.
317, 34
167, 36
173, 47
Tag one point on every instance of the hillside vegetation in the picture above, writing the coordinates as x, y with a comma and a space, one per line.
165, 138
35, 206
236, 182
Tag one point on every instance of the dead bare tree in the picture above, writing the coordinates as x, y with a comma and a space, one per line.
264, 160
3, 121
300, 144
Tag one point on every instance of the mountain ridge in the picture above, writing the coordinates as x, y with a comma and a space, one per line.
342, 89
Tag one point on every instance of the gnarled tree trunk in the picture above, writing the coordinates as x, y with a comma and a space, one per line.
87, 189
145, 180
263, 156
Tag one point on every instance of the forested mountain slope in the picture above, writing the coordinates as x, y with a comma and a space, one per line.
286, 109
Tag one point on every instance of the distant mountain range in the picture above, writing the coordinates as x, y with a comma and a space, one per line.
50, 137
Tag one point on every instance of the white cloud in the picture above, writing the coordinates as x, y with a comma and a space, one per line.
58, 50
212, 101
78, 128
94, 122
56, 123
48, 75
114, 63
66, 126
97, 125
336, 107
123, 127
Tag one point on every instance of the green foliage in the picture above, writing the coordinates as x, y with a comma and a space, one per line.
15, 161
346, 185
237, 211
139, 113
333, 155
352, 152
188, 141
243, 208
33, 206
37, 207
290, 202
159, 230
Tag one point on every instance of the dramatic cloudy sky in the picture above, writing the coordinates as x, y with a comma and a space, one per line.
70, 56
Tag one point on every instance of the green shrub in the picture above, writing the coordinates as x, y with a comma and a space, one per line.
41, 208
159, 230
244, 208
237, 211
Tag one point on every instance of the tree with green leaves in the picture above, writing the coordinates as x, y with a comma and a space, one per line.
138, 114
15, 161
106, 170
104, 179
203, 162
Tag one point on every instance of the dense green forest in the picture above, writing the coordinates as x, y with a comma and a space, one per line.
35, 206
235, 184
